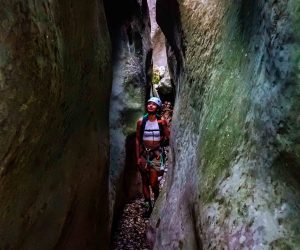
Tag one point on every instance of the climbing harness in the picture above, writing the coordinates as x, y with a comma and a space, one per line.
155, 158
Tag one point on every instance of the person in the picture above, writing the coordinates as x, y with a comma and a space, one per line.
151, 133
167, 112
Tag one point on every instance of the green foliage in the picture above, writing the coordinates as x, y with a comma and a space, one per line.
155, 77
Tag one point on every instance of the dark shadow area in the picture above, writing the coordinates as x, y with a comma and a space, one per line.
149, 63
248, 17
291, 165
169, 97
120, 12
132, 181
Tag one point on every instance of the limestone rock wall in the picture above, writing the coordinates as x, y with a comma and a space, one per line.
129, 26
157, 38
55, 73
234, 183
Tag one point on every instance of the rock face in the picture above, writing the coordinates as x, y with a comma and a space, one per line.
162, 83
130, 33
235, 178
55, 79
161, 78
158, 40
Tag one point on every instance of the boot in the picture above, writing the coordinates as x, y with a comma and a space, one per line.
148, 209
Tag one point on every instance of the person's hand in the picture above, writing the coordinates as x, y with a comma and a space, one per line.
165, 142
139, 162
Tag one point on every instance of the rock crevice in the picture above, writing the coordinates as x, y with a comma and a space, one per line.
129, 27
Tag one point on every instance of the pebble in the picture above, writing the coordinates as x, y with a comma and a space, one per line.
131, 230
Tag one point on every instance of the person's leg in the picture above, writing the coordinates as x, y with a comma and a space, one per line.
154, 183
145, 182
146, 189
146, 192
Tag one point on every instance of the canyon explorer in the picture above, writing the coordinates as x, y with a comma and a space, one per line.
151, 134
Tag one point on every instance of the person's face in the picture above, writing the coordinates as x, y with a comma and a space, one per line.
151, 107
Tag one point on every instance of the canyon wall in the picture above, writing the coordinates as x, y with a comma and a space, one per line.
129, 26
55, 77
234, 181
159, 56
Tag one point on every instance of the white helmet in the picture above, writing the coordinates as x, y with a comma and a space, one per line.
156, 100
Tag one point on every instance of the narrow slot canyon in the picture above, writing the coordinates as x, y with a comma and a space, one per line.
75, 77
140, 70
